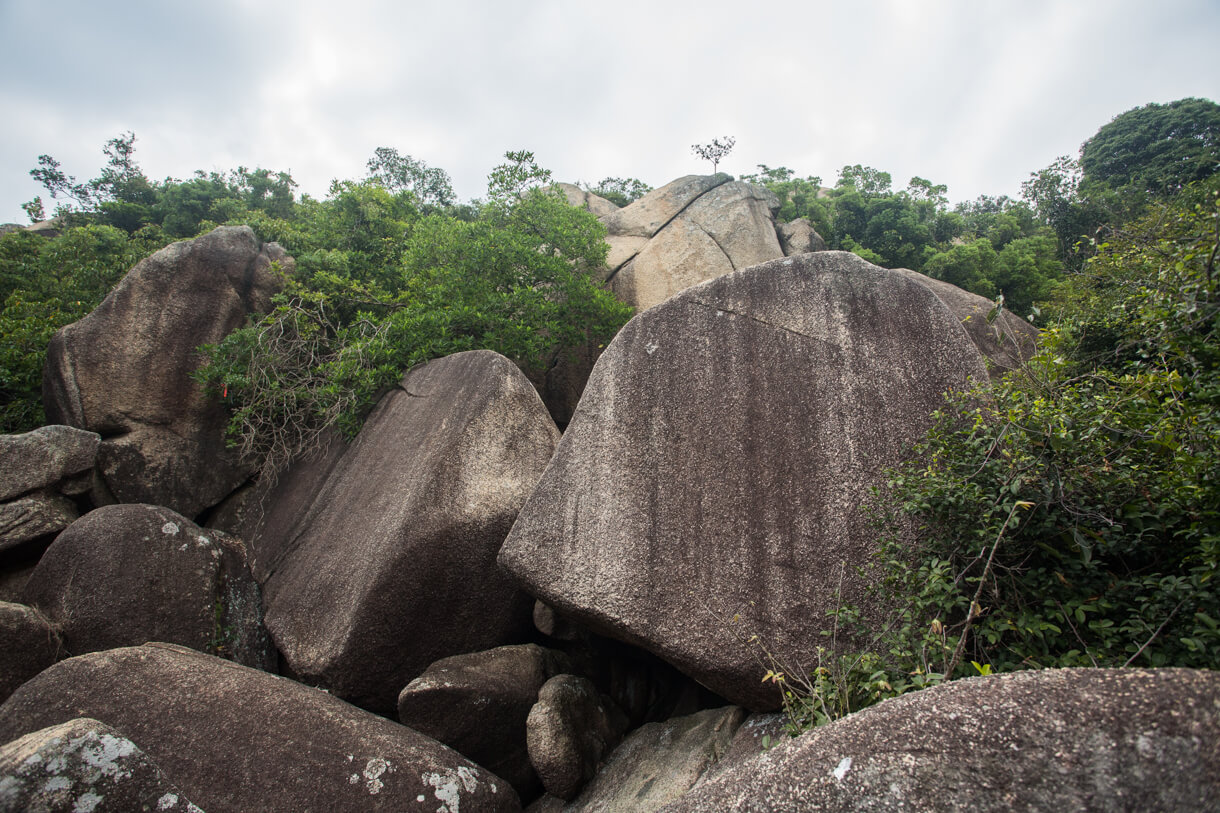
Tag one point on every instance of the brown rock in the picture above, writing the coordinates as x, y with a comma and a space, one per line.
125, 574
124, 370
710, 485
29, 645
477, 704
394, 565
1070, 739
83, 765
236, 739
569, 731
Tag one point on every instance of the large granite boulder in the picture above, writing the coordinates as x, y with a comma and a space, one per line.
1006, 341
477, 704
394, 565
125, 574
29, 643
711, 484
727, 227
84, 765
124, 371
1072, 739
237, 739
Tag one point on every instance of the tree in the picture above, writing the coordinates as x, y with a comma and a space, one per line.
431, 186
1157, 148
865, 180
715, 151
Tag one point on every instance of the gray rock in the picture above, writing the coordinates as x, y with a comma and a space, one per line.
124, 371
1006, 343
599, 206
648, 214
29, 645
709, 486
34, 516
83, 765
659, 762
394, 566
758, 733
1072, 739
237, 739
44, 457
125, 574
569, 731
799, 237
477, 704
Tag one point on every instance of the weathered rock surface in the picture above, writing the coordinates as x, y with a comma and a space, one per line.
569, 731
1072, 739
799, 237
715, 466
394, 567
728, 227
579, 198
648, 214
1006, 343
45, 457
125, 574
237, 739
659, 762
124, 370
34, 516
757, 733
477, 704
83, 765
29, 645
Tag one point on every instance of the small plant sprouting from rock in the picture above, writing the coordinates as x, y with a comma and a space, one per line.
715, 151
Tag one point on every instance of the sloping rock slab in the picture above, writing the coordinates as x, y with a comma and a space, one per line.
236, 739
1072, 739
34, 516
477, 704
710, 485
124, 370
395, 566
44, 457
1006, 342
29, 645
647, 215
83, 765
125, 574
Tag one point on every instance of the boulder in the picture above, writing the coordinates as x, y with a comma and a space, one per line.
647, 215
1071, 739
758, 733
46, 457
799, 237
34, 516
659, 762
237, 739
1006, 342
728, 227
125, 574
29, 644
394, 565
83, 765
582, 199
477, 704
124, 371
710, 485
569, 731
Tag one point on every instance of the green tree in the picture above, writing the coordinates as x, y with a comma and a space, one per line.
619, 191
1157, 148
431, 186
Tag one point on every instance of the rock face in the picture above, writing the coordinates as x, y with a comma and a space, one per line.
83, 765
581, 199
659, 762
569, 731
236, 739
799, 237
1073, 739
124, 370
394, 567
698, 228
125, 574
709, 486
29, 645
43, 470
1006, 343
477, 704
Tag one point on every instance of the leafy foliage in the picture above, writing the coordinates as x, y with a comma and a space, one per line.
1157, 148
715, 151
619, 191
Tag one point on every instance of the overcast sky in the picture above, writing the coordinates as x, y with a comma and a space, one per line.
971, 93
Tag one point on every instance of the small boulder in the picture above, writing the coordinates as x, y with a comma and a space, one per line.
1063, 739
799, 237
124, 371
29, 644
237, 739
83, 765
125, 574
34, 516
582, 199
571, 729
477, 704
45, 457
